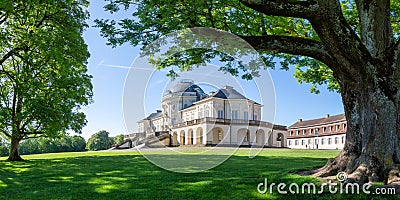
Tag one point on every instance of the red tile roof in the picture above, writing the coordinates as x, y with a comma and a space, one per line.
319, 121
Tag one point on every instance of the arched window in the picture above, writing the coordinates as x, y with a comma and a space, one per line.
279, 138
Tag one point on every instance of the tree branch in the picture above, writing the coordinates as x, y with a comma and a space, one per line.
284, 8
6, 56
340, 39
376, 33
6, 134
3, 18
291, 45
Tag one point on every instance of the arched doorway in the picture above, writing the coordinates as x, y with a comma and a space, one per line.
175, 139
260, 137
270, 140
218, 135
243, 137
280, 139
190, 136
199, 135
182, 134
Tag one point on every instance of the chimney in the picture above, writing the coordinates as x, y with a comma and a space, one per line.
300, 120
327, 116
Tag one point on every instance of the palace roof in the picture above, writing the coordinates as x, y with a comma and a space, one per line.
320, 121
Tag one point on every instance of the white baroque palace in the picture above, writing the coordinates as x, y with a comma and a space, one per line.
223, 117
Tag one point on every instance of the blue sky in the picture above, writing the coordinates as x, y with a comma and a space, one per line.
110, 67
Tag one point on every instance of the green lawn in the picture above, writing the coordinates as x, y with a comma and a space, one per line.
127, 175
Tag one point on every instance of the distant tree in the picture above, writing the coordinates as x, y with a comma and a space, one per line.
118, 139
4, 147
29, 146
43, 73
52, 145
64, 144
78, 143
47, 145
99, 141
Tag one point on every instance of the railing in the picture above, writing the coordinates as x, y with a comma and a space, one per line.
222, 121
135, 135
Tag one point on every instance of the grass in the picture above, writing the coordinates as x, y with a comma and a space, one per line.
128, 175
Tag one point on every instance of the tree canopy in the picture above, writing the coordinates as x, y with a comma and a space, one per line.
99, 141
43, 73
290, 33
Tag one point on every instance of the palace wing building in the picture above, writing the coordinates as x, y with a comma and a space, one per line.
323, 133
189, 116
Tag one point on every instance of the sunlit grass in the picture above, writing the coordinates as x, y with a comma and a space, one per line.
128, 175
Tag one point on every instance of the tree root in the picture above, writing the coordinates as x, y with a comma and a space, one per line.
361, 169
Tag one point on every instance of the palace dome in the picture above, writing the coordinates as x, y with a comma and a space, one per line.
185, 87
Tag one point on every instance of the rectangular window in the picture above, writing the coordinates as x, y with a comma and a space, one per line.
220, 114
207, 113
255, 117
290, 142
246, 115
235, 114
336, 140
329, 140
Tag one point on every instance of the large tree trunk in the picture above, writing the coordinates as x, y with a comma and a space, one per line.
372, 149
14, 154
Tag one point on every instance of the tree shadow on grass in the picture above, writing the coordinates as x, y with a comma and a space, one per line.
133, 177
